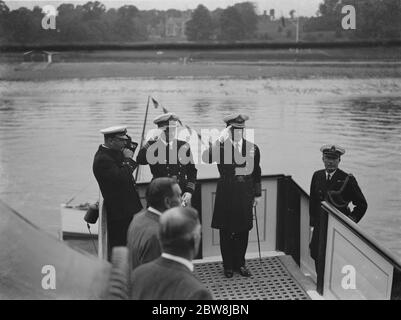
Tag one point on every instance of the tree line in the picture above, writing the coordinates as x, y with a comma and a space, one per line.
375, 19
93, 23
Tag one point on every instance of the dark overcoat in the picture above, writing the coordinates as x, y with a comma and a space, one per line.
319, 192
238, 185
114, 174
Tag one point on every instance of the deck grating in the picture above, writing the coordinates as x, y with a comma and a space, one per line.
270, 281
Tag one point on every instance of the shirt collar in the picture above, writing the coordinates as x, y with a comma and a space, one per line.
155, 211
239, 143
170, 143
181, 260
331, 174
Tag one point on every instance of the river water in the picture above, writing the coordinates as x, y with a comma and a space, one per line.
49, 132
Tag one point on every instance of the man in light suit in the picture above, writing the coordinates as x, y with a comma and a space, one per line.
142, 239
170, 277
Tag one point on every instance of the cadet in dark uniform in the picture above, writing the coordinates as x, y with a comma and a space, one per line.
113, 167
330, 179
238, 190
169, 157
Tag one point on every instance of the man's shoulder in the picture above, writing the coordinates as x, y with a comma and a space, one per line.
181, 143
146, 269
143, 218
319, 173
103, 154
342, 174
173, 275
250, 145
195, 288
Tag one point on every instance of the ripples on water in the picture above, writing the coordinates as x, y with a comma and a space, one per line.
49, 132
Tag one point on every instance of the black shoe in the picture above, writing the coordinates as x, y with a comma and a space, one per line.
243, 271
228, 273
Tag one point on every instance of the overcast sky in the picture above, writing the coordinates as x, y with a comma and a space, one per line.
282, 7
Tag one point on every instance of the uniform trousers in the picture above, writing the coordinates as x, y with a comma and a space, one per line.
117, 234
233, 247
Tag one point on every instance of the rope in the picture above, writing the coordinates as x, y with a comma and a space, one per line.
93, 242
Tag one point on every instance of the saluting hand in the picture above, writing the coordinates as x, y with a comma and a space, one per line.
225, 134
156, 134
128, 153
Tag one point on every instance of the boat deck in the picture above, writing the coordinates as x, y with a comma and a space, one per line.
273, 278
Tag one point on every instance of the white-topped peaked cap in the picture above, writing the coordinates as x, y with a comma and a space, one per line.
332, 150
166, 120
118, 131
236, 120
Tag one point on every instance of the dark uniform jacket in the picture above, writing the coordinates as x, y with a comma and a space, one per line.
143, 241
170, 161
236, 190
113, 173
319, 192
164, 279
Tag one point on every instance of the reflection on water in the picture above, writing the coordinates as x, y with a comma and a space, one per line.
49, 132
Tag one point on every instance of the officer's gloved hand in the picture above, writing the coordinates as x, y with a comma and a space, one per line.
156, 134
128, 153
225, 134
186, 199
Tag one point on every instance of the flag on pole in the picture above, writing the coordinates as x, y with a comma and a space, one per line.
197, 133
155, 103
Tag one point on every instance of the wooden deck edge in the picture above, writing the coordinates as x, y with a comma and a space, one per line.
305, 282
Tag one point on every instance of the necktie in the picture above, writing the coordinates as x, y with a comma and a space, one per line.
238, 147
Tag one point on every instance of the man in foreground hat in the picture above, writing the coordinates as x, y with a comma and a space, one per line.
169, 157
338, 188
238, 191
113, 168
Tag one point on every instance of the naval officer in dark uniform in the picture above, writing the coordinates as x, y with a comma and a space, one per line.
113, 168
169, 157
238, 191
345, 188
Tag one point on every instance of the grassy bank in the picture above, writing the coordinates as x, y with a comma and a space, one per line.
227, 69
325, 54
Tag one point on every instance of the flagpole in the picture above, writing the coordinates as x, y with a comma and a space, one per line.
143, 136
157, 104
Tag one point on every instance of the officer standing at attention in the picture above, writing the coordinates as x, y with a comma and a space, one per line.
113, 167
238, 191
169, 157
338, 188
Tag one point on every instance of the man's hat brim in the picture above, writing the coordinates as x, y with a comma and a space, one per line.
168, 124
332, 150
121, 136
236, 125
236, 120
